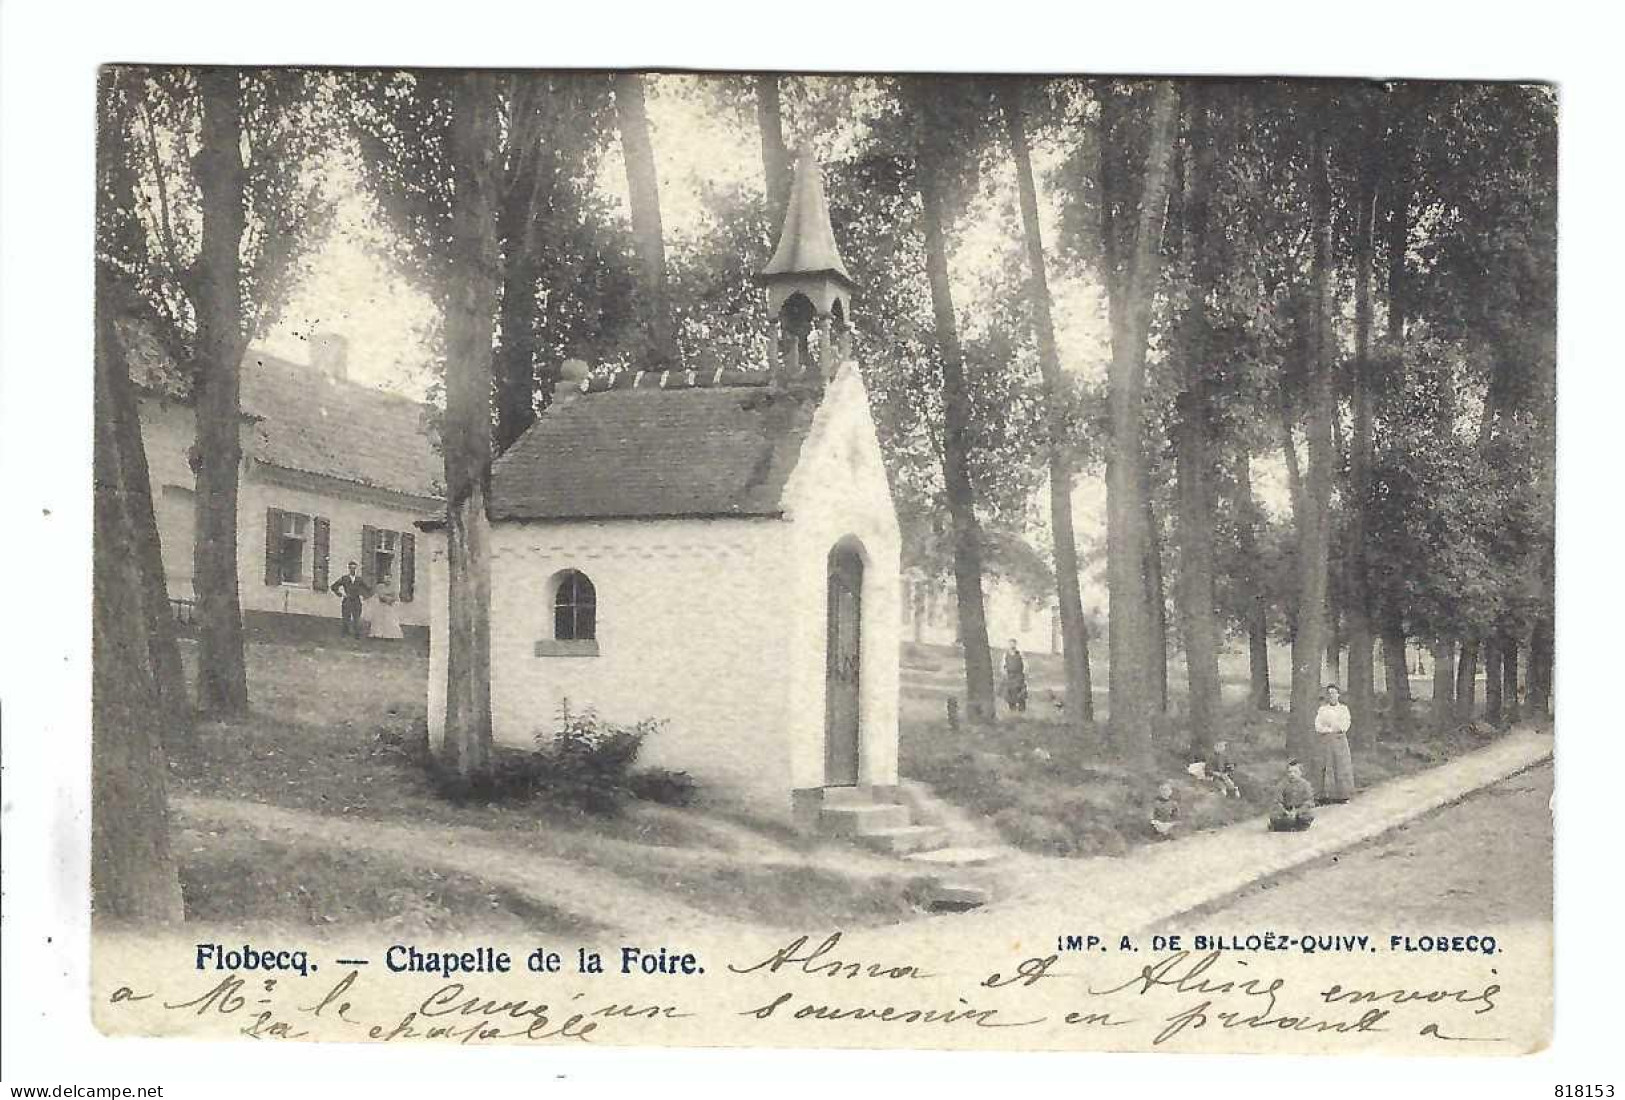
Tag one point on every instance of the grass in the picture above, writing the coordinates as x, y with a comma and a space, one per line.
331, 730
329, 734
255, 885
1051, 792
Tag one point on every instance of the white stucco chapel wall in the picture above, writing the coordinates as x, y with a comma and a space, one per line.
715, 625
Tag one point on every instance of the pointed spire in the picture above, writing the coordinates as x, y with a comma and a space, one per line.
807, 242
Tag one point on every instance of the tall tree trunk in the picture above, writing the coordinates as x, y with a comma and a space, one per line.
465, 753
1133, 277
967, 533
1074, 632
1156, 592
1493, 709
775, 156
1398, 678
1357, 614
1257, 613
133, 874
1542, 639
523, 201
135, 489
222, 681
1539, 691
1195, 589
1257, 600
1397, 198
515, 357
643, 190
1314, 522
116, 177
1443, 708
1467, 680
1510, 709
1193, 447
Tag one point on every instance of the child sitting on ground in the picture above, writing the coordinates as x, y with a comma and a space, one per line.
1164, 811
1294, 808
1222, 770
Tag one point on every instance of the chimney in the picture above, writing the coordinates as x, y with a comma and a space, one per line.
330, 354
572, 376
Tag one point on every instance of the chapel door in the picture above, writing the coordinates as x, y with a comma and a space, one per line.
843, 659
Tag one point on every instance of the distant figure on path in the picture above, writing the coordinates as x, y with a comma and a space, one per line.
386, 616
353, 589
1164, 811
1335, 776
1015, 678
1295, 807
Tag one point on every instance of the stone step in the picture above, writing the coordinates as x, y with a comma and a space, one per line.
861, 819
923, 809
960, 857
847, 796
956, 897
903, 840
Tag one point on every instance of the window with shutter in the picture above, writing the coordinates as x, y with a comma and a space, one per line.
409, 566
321, 542
291, 547
385, 552
273, 546
369, 546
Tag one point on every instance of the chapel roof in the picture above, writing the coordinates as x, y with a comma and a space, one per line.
807, 241
649, 445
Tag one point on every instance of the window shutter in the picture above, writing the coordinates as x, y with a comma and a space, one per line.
319, 543
369, 543
273, 546
409, 566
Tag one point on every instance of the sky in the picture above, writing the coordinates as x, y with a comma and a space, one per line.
352, 290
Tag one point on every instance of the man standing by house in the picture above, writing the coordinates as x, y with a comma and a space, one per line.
353, 589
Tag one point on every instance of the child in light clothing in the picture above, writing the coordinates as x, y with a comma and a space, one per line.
1164, 811
1295, 807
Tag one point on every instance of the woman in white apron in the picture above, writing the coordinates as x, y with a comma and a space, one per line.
386, 616
1335, 778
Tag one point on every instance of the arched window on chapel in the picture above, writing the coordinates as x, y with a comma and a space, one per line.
575, 608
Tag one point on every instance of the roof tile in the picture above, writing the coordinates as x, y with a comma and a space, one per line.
648, 452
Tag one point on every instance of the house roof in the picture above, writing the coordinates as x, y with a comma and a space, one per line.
312, 423
807, 241
646, 445
316, 424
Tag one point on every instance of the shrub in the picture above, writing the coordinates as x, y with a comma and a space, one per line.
665, 786
587, 761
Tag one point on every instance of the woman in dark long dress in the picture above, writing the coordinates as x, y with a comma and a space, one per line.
1015, 678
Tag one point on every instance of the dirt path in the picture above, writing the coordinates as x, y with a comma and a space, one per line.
592, 893
1484, 862
1159, 882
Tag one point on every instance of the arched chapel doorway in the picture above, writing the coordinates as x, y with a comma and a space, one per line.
843, 662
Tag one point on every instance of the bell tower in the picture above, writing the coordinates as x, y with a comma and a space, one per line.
808, 287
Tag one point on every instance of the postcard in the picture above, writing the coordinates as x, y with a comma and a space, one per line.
810, 560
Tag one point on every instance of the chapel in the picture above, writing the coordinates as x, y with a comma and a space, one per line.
718, 549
